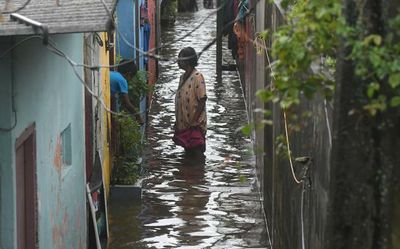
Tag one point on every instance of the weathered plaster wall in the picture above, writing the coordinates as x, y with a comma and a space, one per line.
282, 197
7, 190
48, 94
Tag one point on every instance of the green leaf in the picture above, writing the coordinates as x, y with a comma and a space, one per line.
242, 179
265, 95
395, 101
246, 130
394, 80
264, 35
376, 39
372, 88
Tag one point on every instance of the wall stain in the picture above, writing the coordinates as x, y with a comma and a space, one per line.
60, 232
58, 156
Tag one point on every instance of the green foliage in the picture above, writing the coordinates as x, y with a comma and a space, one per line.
118, 59
305, 49
170, 10
281, 146
242, 178
304, 52
129, 136
138, 86
126, 170
309, 35
377, 63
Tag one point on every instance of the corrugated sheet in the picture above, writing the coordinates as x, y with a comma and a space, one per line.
62, 16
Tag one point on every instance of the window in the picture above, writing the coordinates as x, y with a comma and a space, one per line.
66, 145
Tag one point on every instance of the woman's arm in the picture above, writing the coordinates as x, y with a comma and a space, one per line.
199, 110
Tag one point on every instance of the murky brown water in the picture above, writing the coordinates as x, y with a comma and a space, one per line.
209, 202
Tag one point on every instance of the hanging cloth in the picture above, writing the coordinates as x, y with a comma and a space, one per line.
144, 15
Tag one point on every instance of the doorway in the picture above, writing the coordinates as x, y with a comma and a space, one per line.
25, 152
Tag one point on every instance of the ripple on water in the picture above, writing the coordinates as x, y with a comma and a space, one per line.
188, 203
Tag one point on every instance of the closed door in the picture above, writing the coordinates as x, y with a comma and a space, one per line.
26, 189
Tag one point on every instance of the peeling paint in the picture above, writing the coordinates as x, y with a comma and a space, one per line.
60, 231
57, 156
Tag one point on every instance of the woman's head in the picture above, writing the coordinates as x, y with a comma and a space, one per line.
127, 68
187, 57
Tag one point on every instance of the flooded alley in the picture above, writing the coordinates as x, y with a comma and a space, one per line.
87, 120
212, 202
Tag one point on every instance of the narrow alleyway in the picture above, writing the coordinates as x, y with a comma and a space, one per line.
210, 203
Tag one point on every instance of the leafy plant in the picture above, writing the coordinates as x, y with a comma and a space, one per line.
378, 63
305, 49
303, 58
309, 36
126, 170
129, 136
138, 86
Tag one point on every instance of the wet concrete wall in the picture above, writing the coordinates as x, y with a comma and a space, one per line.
293, 216
47, 93
365, 159
260, 81
350, 198
7, 190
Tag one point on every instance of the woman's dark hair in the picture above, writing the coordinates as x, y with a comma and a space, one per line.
127, 66
189, 56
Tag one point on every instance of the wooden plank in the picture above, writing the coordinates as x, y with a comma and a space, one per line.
229, 67
220, 23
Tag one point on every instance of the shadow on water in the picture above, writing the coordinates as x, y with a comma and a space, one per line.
205, 202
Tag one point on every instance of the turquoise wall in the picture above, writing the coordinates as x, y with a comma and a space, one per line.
126, 23
50, 95
6, 192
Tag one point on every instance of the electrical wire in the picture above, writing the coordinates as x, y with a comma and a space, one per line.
58, 52
17, 9
13, 126
191, 31
285, 122
73, 64
18, 44
161, 58
144, 53
328, 125
12, 99
288, 149
270, 66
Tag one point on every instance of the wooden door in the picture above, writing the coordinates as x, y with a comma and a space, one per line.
26, 189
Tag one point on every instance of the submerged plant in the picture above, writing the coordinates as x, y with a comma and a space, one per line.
126, 170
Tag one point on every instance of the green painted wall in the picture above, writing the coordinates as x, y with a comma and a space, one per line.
6, 182
48, 94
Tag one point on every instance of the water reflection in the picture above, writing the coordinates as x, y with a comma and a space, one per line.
194, 202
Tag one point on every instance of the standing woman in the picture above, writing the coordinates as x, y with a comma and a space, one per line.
190, 104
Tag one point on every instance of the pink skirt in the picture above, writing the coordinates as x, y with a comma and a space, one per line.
189, 138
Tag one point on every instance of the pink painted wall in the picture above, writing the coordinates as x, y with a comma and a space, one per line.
153, 17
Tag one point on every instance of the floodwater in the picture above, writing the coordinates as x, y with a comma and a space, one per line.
209, 202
